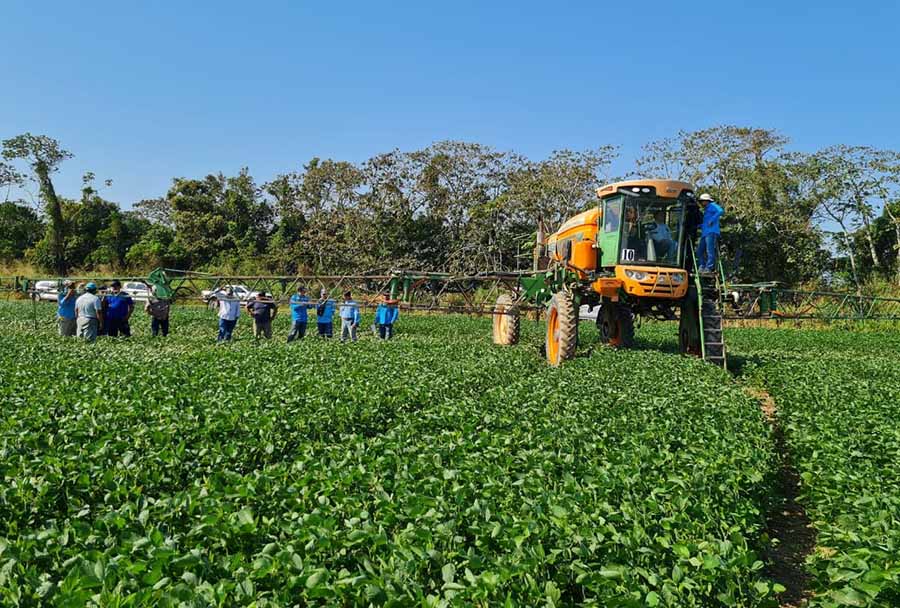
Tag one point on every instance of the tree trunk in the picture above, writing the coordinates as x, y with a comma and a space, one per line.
848, 242
54, 212
864, 214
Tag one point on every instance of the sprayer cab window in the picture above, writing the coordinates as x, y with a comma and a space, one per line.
651, 231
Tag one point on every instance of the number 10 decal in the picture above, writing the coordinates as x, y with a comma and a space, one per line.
628, 255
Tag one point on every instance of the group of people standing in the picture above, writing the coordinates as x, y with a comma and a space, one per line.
89, 315
263, 309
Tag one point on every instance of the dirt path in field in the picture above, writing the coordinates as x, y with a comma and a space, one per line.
787, 520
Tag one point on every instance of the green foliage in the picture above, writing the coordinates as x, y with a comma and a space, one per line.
839, 401
20, 227
433, 470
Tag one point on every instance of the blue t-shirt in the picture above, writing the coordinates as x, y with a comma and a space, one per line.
299, 306
117, 306
386, 314
325, 311
711, 219
66, 309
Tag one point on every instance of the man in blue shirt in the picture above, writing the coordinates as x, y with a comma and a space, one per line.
299, 314
325, 315
118, 307
709, 234
65, 310
385, 316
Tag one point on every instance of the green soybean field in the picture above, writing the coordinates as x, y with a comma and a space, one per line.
437, 469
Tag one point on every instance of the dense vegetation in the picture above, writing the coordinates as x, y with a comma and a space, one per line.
828, 216
839, 401
435, 469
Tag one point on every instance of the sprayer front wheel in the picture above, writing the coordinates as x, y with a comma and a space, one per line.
562, 328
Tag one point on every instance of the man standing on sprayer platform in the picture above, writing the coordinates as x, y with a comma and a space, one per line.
263, 311
325, 315
118, 307
299, 314
65, 310
709, 234
89, 313
229, 311
350, 318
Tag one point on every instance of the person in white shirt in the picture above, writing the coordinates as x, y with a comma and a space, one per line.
88, 313
229, 311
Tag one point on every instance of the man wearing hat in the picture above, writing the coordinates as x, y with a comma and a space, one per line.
263, 310
88, 313
118, 307
325, 315
65, 309
299, 314
709, 234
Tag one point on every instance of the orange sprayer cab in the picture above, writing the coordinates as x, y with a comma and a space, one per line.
632, 242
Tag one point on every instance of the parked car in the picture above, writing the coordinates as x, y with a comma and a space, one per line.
137, 290
241, 292
45, 290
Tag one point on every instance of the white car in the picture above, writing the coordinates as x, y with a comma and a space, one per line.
45, 290
137, 290
241, 292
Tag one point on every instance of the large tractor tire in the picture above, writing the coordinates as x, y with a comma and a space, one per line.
506, 321
689, 325
562, 328
616, 324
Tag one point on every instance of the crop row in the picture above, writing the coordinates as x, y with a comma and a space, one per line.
433, 470
838, 395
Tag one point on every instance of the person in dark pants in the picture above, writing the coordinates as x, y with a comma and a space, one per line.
325, 315
299, 314
119, 307
158, 309
263, 311
229, 309
385, 315
709, 234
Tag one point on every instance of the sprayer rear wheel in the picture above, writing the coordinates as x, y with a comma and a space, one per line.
616, 324
562, 328
689, 324
506, 321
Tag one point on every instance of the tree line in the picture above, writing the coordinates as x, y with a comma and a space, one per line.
831, 216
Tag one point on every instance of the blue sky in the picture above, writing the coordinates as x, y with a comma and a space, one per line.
142, 92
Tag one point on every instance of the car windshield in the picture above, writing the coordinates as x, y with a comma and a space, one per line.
651, 231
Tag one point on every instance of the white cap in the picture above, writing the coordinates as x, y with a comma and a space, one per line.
705, 197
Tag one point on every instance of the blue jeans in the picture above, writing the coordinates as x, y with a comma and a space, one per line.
706, 252
325, 329
386, 332
226, 328
158, 326
298, 330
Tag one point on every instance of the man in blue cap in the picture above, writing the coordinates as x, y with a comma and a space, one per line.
89, 313
300, 306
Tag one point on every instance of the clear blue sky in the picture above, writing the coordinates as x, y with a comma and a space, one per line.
142, 92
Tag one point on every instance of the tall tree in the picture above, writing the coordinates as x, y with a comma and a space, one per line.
44, 156
768, 228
